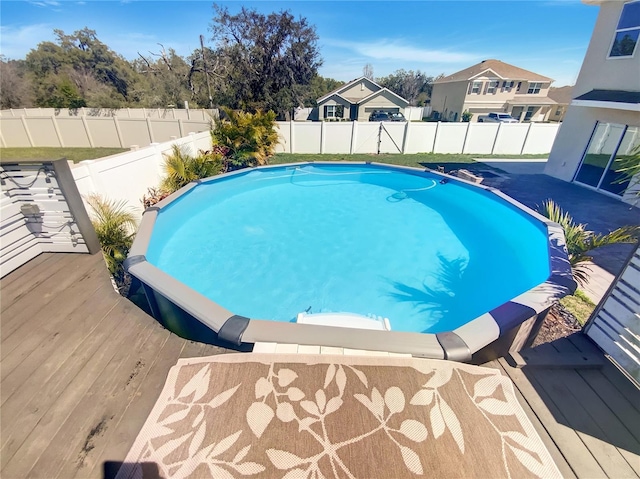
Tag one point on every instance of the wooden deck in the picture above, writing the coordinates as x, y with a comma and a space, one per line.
81, 368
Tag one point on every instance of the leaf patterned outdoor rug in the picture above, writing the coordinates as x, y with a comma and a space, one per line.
299, 416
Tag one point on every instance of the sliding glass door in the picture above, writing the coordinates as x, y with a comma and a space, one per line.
610, 145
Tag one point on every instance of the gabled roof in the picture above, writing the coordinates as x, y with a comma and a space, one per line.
379, 92
501, 69
348, 85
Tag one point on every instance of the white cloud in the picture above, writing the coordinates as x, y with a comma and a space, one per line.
16, 41
44, 3
395, 50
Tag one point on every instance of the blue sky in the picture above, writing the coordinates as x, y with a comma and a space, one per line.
548, 37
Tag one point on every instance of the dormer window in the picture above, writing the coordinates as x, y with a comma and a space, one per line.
625, 39
534, 88
507, 85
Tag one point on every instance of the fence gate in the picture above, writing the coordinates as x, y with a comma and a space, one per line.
615, 324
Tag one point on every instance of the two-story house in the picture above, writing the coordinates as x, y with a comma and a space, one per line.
602, 125
492, 86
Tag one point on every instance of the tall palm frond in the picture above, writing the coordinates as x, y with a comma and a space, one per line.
181, 168
580, 241
115, 226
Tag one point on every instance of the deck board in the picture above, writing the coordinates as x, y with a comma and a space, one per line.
82, 367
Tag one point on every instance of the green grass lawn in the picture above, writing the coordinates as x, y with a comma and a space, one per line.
395, 159
72, 154
579, 305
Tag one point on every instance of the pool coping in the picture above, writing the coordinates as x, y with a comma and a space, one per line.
459, 344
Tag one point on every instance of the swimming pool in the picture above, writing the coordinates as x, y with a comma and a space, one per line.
452, 266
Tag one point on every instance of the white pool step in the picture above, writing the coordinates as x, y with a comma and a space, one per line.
345, 320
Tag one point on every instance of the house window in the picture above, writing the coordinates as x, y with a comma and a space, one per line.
476, 87
330, 111
519, 87
534, 87
492, 86
610, 148
627, 32
559, 110
508, 85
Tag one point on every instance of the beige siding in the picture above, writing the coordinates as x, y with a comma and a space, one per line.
597, 71
333, 100
384, 101
360, 90
574, 135
449, 97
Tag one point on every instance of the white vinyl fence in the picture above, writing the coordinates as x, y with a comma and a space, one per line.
162, 113
127, 176
94, 131
416, 137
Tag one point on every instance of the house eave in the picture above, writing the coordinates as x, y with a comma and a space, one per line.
611, 105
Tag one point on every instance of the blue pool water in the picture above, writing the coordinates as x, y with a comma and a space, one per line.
363, 239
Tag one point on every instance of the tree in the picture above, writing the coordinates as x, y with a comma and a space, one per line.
15, 85
367, 71
414, 86
272, 58
79, 69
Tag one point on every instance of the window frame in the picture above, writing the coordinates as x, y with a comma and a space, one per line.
618, 30
496, 84
508, 85
473, 85
531, 87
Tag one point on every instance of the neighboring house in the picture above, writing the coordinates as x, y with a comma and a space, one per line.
562, 97
357, 99
492, 86
602, 124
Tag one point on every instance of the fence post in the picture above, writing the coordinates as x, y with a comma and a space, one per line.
26, 130
2, 142
150, 128
524, 143
354, 135
435, 138
192, 142
405, 139
495, 139
466, 134
57, 130
87, 131
291, 137
322, 136
180, 127
118, 132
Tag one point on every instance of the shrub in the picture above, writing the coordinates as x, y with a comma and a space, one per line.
466, 116
115, 226
153, 196
181, 168
580, 240
248, 138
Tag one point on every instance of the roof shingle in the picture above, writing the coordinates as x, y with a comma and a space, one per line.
505, 70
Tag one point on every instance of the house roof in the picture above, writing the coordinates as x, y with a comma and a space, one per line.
501, 70
379, 92
616, 96
610, 99
347, 85
561, 95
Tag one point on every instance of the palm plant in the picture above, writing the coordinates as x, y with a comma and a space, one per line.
580, 241
115, 225
181, 168
249, 138
629, 166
